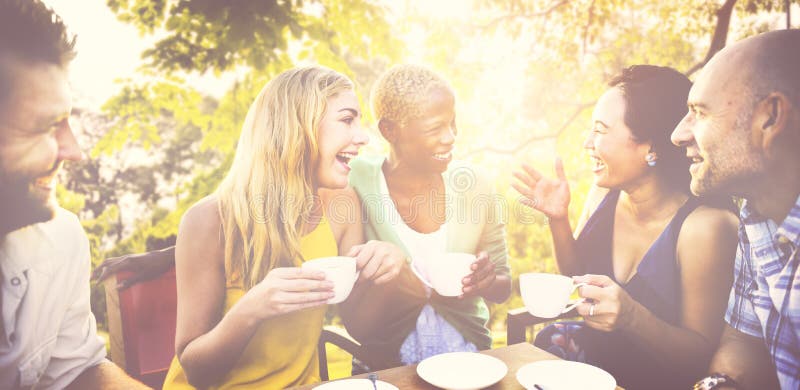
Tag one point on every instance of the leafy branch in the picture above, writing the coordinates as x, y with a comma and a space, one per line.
720, 34
530, 15
522, 145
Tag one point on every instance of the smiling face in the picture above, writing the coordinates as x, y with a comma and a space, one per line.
35, 139
426, 143
716, 131
340, 137
618, 159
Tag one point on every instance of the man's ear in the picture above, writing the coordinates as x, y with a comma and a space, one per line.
772, 119
388, 130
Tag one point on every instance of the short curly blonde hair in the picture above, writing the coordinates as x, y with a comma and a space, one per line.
401, 93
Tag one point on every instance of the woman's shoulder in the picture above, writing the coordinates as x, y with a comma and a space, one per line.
706, 217
708, 225
202, 223
204, 212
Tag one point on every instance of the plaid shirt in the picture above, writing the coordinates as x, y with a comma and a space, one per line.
765, 299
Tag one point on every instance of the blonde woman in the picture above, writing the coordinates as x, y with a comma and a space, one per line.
248, 317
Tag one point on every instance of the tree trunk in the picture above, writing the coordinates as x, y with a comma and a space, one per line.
720, 36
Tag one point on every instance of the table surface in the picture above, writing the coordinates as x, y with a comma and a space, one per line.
515, 356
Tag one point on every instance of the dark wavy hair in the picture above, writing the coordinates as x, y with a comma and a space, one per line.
655, 102
30, 31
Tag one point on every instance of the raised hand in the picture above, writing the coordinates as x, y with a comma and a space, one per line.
482, 275
550, 196
378, 261
285, 290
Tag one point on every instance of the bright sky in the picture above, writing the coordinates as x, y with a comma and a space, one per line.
109, 50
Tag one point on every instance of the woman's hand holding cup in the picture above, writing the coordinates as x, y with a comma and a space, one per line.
482, 276
548, 295
608, 306
285, 290
378, 261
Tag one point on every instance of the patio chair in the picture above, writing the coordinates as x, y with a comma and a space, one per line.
520, 320
141, 324
339, 337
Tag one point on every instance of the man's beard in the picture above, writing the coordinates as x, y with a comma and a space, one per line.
19, 207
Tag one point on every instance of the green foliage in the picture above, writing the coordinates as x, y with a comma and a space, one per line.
141, 111
526, 74
219, 35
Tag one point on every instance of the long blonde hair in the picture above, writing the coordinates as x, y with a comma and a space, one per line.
267, 196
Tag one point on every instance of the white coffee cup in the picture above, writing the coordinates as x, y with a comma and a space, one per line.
546, 295
341, 270
444, 272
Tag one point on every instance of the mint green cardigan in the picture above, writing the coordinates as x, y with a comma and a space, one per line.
381, 317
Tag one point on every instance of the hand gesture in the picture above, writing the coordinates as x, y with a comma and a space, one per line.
550, 196
378, 261
608, 306
482, 275
289, 289
145, 266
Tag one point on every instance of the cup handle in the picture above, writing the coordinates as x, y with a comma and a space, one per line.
572, 306
419, 275
577, 302
577, 286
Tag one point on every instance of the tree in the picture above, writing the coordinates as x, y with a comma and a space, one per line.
526, 74
207, 35
218, 35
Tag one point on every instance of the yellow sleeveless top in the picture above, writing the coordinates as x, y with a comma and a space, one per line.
283, 351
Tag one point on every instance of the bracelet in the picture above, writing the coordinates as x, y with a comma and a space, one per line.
716, 380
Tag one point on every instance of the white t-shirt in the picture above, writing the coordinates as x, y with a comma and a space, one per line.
50, 333
421, 246
432, 335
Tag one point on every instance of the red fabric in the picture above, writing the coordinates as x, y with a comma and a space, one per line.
148, 311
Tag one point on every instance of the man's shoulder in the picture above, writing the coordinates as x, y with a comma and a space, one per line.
66, 219
63, 235
64, 225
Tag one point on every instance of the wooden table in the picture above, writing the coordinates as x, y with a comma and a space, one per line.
515, 356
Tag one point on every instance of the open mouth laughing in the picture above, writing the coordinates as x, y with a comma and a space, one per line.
696, 161
444, 157
344, 158
48, 181
599, 165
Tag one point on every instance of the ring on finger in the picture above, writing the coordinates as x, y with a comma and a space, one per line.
534, 202
591, 310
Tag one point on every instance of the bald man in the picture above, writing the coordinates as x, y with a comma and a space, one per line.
742, 133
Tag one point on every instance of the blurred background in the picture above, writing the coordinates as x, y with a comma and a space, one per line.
162, 86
